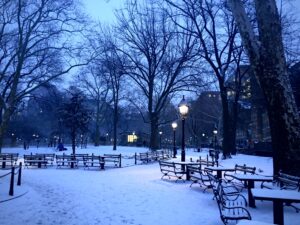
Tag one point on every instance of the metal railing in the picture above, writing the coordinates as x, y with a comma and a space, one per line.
14, 171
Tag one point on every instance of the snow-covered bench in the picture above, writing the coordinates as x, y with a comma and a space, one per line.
231, 207
144, 157
198, 176
47, 156
8, 159
66, 160
285, 181
94, 161
35, 160
161, 154
116, 159
171, 169
239, 169
80, 158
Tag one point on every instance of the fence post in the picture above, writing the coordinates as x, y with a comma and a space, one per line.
120, 165
135, 158
11, 187
19, 174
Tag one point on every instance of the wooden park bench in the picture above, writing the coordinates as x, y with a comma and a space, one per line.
48, 157
171, 169
8, 159
230, 209
287, 182
198, 176
161, 154
38, 160
144, 157
239, 169
94, 161
66, 161
80, 159
116, 159
205, 163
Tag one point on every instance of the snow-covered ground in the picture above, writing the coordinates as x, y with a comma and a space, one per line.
134, 194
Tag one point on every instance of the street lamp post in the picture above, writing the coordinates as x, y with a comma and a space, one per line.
160, 133
174, 126
215, 132
183, 110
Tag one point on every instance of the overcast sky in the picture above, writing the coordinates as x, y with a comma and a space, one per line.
103, 10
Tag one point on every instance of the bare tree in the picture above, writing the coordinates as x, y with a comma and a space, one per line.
266, 53
114, 64
110, 63
160, 57
35, 40
219, 48
95, 84
75, 115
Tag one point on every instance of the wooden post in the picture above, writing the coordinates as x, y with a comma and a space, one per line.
135, 158
120, 165
11, 187
4, 163
19, 174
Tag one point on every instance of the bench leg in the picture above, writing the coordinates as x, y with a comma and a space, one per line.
102, 166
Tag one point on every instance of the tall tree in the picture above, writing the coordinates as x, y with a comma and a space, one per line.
110, 63
75, 115
159, 55
114, 64
266, 53
36, 47
95, 84
220, 50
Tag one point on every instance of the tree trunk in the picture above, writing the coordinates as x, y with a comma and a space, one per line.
115, 123
234, 118
3, 125
228, 143
73, 139
269, 65
97, 128
154, 131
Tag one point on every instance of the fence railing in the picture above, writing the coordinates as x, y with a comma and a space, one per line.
14, 171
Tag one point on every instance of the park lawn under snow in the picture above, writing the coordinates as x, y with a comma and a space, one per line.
134, 194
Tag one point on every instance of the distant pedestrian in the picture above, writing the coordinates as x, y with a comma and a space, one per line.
60, 147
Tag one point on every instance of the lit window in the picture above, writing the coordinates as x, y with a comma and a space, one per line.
131, 138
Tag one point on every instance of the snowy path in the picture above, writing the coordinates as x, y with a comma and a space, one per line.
132, 195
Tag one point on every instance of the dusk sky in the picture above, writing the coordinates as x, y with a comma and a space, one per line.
103, 10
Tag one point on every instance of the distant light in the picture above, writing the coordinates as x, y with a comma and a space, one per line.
183, 108
174, 125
